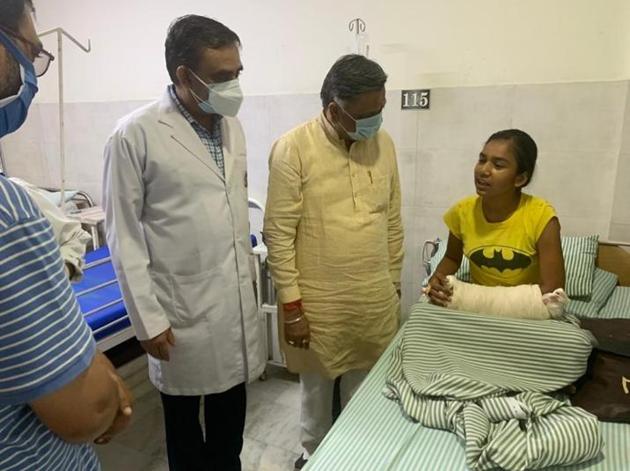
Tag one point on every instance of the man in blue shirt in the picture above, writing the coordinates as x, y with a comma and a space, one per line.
57, 393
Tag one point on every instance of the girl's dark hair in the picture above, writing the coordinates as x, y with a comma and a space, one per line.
524, 148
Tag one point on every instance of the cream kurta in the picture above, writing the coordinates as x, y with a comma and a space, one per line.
334, 234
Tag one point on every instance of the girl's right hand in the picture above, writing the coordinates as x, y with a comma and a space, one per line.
438, 290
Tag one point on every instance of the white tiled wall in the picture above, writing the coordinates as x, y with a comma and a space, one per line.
462, 118
265, 119
580, 184
620, 220
582, 130
574, 116
256, 119
33, 152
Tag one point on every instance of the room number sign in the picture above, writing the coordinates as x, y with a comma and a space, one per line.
416, 100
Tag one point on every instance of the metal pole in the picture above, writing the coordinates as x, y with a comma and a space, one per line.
62, 139
60, 32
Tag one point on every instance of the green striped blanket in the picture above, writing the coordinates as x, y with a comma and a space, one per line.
618, 305
485, 378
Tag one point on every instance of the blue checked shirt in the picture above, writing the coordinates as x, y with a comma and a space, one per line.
211, 140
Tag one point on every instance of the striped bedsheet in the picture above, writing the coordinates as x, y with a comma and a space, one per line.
603, 286
372, 435
458, 371
618, 305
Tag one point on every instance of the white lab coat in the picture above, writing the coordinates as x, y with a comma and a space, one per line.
179, 237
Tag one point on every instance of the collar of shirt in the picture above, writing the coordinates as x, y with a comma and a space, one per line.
216, 130
331, 132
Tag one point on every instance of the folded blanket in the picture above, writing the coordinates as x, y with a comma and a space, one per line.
485, 378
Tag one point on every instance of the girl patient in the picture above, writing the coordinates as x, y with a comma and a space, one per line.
510, 237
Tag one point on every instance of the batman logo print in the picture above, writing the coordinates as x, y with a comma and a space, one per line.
503, 258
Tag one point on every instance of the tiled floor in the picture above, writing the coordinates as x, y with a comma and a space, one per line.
271, 428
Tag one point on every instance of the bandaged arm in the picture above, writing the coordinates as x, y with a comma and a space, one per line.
522, 301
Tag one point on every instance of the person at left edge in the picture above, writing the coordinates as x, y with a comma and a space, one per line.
58, 393
177, 226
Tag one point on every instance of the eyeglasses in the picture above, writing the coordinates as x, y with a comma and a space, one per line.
42, 58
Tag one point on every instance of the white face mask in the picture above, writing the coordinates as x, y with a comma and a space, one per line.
224, 98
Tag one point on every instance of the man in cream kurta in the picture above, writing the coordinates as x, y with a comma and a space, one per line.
334, 233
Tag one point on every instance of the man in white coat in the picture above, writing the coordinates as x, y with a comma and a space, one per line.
175, 193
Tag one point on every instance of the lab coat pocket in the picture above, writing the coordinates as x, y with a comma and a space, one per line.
376, 194
196, 297
163, 289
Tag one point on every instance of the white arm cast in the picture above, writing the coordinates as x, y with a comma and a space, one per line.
523, 301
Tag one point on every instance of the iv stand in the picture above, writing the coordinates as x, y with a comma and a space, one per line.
358, 27
60, 32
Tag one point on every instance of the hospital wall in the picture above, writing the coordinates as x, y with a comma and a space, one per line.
288, 45
558, 69
620, 220
582, 129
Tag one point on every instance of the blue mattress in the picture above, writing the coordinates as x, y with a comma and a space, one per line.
102, 306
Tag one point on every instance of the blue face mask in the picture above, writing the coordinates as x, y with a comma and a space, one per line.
364, 128
13, 109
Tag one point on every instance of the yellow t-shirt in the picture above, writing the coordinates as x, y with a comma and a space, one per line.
502, 253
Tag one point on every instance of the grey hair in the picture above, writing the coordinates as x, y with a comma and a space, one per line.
350, 76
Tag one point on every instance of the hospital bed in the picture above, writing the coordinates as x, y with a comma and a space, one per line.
371, 433
101, 302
